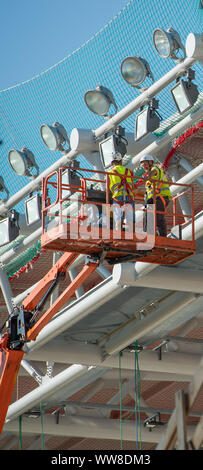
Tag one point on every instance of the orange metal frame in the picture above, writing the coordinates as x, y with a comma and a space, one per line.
9, 366
10, 359
60, 301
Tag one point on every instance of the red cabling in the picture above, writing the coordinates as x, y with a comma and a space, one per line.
26, 267
179, 141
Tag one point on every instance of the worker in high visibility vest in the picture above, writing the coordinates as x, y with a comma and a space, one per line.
121, 187
162, 190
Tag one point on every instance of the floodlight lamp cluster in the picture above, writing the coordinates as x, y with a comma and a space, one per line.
23, 164
134, 70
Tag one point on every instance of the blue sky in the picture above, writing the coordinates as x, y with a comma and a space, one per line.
36, 34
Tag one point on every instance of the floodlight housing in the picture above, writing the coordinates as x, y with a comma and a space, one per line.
54, 136
194, 46
9, 228
135, 70
70, 178
99, 100
168, 43
147, 120
185, 93
110, 145
33, 207
22, 162
3, 188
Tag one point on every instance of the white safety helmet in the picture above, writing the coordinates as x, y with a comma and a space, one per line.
147, 158
116, 157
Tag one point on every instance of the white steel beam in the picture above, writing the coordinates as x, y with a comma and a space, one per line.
86, 427
133, 330
52, 386
71, 315
172, 362
170, 278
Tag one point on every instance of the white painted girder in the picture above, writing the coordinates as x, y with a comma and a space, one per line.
68, 378
80, 426
172, 362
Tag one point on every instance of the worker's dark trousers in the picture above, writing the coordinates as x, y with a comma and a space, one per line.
160, 218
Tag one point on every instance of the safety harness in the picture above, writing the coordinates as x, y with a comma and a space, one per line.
162, 187
124, 185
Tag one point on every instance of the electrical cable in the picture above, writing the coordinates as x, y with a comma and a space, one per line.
136, 410
120, 387
42, 426
20, 432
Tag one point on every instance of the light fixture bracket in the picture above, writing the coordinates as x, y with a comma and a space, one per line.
31, 163
178, 45
2, 189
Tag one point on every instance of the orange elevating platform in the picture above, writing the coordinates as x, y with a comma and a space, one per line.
78, 232
78, 219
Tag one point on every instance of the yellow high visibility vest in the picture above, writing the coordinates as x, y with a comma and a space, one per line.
161, 188
121, 182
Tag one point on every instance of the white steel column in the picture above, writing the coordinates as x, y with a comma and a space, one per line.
173, 170
188, 167
6, 290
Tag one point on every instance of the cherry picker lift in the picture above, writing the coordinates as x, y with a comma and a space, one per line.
70, 233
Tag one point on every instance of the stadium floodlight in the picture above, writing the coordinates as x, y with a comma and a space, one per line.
111, 144
3, 188
135, 70
147, 120
9, 228
54, 136
185, 93
100, 100
33, 207
70, 180
168, 43
22, 162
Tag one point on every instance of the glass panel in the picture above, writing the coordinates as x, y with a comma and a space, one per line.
141, 124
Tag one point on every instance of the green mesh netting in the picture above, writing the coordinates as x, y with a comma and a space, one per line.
23, 260
58, 93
